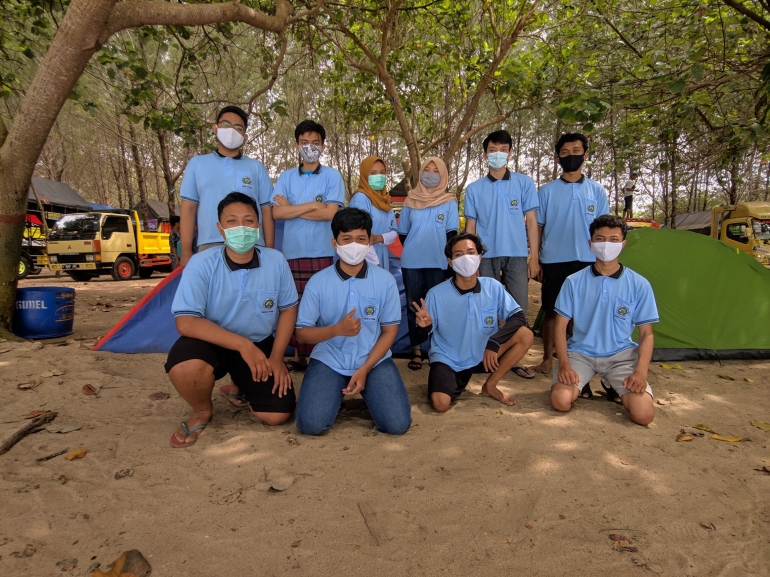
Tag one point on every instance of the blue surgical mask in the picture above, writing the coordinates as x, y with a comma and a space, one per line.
497, 159
241, 238
430, 179
377, 181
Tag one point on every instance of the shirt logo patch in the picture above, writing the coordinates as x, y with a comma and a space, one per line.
246, 180
591, 208
514, 203
268, 304
441, 217
319, 198
369, 311
622, 311
489, 321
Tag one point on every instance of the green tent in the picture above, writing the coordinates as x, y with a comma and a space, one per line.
714, 302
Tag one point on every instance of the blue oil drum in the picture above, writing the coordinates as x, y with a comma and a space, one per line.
44, 312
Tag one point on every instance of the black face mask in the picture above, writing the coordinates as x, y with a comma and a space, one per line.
572, 162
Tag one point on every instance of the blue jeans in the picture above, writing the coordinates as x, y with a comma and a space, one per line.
417, 283
320, 398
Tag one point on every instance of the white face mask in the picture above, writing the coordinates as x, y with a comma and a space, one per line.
352, 253
230, 138
606, 251
466, 265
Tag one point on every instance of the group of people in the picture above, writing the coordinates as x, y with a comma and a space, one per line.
329, 293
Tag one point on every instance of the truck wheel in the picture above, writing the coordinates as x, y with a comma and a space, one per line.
79, 276
145, 272
23, 268
123, 269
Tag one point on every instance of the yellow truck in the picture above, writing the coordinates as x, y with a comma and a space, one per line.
95, 243
744, 226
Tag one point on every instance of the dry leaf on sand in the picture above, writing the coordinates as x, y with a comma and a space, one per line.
33, 414
159, 396
761, 425
727, 439
704, 428
131, 563
684, 437
90, 390
76, 454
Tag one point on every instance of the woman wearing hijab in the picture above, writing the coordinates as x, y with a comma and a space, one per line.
372, 197
428, 220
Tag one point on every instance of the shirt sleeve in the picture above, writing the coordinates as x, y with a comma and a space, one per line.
188, 190
470, 203
453, 219
565, 302
541, 205
309, 308
404, 223
529, 195
265, 186
280, 188
431, 305
506, 305
391, 304
389, 237
646, 310
192, 295
602, 203
336, 190
359, 200
392, 223
287, 293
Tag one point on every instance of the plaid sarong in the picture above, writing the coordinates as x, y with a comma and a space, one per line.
302, 269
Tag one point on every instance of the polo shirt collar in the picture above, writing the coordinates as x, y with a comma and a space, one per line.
582, 178
236, 157
231, 265
615, 275
345, 276
475, 290
316, 171
507, 176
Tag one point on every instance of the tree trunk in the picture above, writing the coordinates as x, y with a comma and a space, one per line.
140, 180
168, 177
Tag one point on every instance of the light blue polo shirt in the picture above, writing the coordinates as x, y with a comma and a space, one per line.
382, 222
566, 211
605, 310
463, 323
426, 230
498, 207
244, 301
331, 294
304, 238
209, 178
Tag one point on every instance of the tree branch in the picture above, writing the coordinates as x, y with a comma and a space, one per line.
739, 7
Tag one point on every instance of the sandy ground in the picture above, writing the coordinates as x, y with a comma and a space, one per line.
481, 490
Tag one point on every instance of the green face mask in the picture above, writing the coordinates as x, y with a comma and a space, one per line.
377, 181
241, 238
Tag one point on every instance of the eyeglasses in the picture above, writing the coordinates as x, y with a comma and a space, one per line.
225, 124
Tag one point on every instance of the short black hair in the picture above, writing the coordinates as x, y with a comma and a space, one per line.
309, 126
480, 248
174, 220
234, 197
498, 137
608, 221
571, 137
349, 219
235, 110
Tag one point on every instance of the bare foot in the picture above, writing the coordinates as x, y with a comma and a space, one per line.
544, 367
492, 391
193, 421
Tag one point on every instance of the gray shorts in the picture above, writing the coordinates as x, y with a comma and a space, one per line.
613, 370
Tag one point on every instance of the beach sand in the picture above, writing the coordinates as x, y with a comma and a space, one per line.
481, 490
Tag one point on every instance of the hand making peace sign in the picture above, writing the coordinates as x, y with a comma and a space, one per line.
423, 317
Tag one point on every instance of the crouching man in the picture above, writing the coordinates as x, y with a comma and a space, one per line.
229, 303
462, 316
606, 301
351, 312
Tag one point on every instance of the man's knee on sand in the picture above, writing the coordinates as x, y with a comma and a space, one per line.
440, 402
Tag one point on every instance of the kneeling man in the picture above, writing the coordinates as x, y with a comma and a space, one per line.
351, 312
230, 302
606, 301
462, 316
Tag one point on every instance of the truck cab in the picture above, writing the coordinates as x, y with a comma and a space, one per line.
745, 227
96, 243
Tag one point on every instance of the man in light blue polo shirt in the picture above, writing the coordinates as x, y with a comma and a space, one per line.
307, 198
208, 178
568, 206
230, 302
351, 312
461, 315
606, 301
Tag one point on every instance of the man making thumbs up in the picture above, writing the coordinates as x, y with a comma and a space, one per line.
351, 312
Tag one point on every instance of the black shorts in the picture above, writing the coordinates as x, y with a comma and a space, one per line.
628, 200
554, 275
258, 393
444, 379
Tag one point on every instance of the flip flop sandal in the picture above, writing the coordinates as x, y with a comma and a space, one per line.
233, 398
586, 393
415, 365
521, 372
177, 445
296, 367
611, 394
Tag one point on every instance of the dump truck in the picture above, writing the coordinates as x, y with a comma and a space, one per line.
744, 226
98, 243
